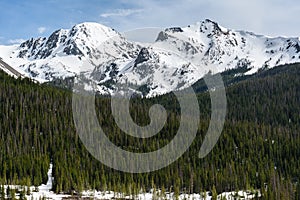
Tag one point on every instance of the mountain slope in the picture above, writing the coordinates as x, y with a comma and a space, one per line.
63, 53
259, 145
177, 59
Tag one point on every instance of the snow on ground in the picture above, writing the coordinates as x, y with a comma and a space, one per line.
177, 59
44, 191
169, 196
36, 193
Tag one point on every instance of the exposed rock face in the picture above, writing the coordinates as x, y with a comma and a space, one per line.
179, 57
143, 56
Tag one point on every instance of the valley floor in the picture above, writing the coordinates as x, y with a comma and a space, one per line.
44, 192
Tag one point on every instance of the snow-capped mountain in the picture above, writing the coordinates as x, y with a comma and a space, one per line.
178, 58
63, 53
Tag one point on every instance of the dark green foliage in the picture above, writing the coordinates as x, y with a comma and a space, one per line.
297, 195
214, 193
2, 192
144, 89
229, 77
259, 146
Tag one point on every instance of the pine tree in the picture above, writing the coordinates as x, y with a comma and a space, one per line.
214, 193
177, 188
22, 194
8, 192
163, 192
36, 127
13, 194
2, 192
297, 194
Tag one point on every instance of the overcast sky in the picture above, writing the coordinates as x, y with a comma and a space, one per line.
22, 19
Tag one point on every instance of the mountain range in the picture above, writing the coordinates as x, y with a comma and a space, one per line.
178, 57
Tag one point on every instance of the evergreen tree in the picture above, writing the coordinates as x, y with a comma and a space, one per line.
2, 192
260, 134
214, 193
297, 195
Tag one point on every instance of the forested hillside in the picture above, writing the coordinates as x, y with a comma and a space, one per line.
258, 148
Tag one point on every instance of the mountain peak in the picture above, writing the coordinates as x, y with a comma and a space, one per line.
75, 41
92, 30
208, 26
165, 64
91, 24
